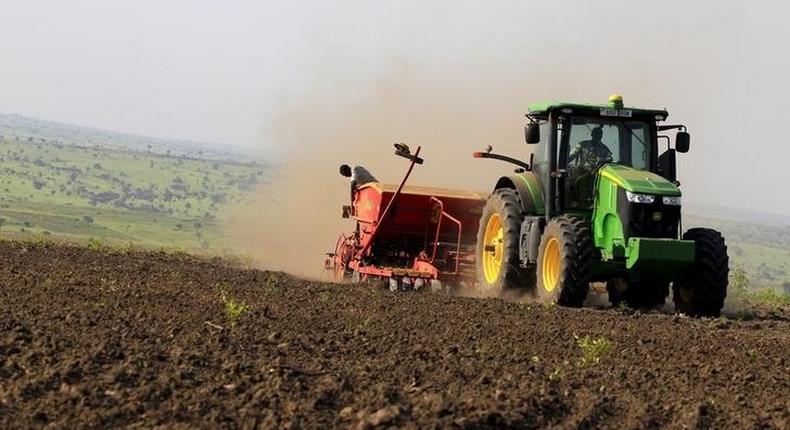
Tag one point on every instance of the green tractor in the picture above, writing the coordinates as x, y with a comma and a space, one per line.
599, 201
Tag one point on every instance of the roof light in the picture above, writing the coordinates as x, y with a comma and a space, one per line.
616, 101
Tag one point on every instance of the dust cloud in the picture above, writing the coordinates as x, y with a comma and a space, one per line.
453, 99
296, 217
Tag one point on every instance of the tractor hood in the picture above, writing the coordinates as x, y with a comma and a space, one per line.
639, 181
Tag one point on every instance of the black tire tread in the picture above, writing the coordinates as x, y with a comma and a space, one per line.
706, 282
578, 256
507, 203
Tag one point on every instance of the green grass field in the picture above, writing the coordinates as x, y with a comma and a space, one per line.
761, 251
117, 195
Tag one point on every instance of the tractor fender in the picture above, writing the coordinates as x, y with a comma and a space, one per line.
530, 193
528, 189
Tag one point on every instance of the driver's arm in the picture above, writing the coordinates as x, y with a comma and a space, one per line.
581, 148
604, 153
576, 152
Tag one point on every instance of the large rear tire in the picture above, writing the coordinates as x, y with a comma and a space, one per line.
499, 269
565, 262
701, 290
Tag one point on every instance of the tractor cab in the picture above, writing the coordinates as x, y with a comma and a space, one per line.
583, 138
593, 142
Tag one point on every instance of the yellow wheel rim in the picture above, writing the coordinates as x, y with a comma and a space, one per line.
493, 247
551, 264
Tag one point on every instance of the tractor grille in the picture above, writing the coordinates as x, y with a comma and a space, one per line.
654, 220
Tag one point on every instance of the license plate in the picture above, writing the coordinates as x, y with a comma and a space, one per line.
625, 113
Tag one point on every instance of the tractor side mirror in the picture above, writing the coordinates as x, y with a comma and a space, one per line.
667, 165
532, 133
345, 170
682, 142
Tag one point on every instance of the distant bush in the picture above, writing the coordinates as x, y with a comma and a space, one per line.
770, 297
219, 198
741, 291
128, 247
94, 244
739, 282
42, 238
104, 197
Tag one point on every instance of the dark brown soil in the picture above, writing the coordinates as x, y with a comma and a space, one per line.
93, 339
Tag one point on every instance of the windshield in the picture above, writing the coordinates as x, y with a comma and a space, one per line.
592, 142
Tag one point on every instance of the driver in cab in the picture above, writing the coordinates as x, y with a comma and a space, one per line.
584, 162
591, 153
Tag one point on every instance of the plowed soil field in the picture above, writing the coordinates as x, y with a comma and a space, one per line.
98, 339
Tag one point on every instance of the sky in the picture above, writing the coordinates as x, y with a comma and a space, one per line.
230, 71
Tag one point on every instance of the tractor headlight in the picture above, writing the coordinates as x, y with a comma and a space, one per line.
639, 198
671, 200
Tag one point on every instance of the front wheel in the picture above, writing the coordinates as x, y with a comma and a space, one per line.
702, 289
565, 261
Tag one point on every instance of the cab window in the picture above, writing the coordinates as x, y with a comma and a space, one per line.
593, 142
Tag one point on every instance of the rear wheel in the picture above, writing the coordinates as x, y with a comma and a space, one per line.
702, 289
565, 262
498, 265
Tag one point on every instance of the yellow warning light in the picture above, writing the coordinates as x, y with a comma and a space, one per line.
616, 101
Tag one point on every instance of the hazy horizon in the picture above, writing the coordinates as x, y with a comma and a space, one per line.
224, 72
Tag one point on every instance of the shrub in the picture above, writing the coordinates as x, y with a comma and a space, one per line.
770, 297
94, 244
593, 349
233, 309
